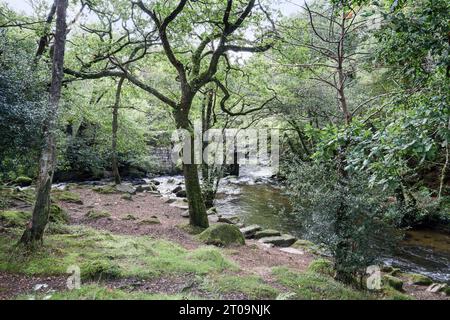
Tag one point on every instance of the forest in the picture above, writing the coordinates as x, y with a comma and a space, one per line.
224, 150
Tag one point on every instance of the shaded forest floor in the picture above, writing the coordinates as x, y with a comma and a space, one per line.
139, 248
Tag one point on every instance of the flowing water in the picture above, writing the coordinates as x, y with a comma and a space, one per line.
256, 199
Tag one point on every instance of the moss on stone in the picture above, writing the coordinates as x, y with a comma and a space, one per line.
129, 217
322, 266
393, 282
67, 196
150, 221
58, 214
100, 269
23, 181
108, 189
94, 215
222, 234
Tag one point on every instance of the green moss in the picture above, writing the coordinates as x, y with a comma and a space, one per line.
322, 266
67, 196
191, 229
12, 219
251, 286
134, 256
58, 214
58, 228
23, 181
129, 217
127, 197
309, 285
98, 292
100, 269
94, 215
222, 234
419, 279
150, 221
105, 189
393, 282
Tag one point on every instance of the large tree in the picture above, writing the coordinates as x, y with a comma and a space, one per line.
195, 39
35, 229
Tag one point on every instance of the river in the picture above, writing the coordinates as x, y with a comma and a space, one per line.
256, 199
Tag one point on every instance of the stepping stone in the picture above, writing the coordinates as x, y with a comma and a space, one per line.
250, 231
279, 241
267, 233
436, 287
126, 188
292, 250
229, 219
177, 189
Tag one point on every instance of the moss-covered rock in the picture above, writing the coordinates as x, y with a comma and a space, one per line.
419, 279
322, 266
94, 215
58, 214
222, 234
100, 269
23, 181
150, 221
127, 197
67, 196
109, 189
12, 219
393, 282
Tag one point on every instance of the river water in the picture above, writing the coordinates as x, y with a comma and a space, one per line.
256, 199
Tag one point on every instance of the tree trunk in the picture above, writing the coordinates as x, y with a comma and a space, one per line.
197, 209
35, 229
115, 126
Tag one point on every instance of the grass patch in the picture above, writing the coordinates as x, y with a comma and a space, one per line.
98, 292
313, 286
251, 286
321, 266
127, 256
13, 219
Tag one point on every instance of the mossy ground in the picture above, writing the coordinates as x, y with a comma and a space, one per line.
97, 251
99, 292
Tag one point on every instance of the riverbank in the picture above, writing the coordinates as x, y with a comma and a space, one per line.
138, 247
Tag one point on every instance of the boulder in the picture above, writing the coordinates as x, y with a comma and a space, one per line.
222, 234
279, 241
229, 219
181, 194
155, 182
250, 231
23, 181
126, 188
177, 189
211, 211
145, 187
267, 233
292, 250
393, 282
